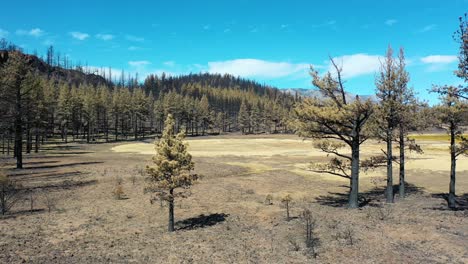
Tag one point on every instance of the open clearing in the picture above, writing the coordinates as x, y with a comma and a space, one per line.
226, 219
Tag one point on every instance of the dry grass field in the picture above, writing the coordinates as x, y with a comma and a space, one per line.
226, 219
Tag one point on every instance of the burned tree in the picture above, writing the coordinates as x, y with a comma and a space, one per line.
338, 122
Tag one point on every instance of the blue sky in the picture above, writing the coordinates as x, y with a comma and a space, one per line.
273, 42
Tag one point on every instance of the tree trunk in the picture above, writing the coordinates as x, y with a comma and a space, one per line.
19, 130
36, 141
453, 163
354, 188
389, 190
136, 127
171, 211
402, 164
116, 129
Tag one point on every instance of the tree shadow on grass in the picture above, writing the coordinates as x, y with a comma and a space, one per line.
460, 200
201, 221
368, 198
14, 214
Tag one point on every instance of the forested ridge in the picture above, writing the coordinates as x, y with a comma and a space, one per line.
50, 98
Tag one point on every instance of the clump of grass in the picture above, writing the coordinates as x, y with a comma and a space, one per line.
269, 199
118, 190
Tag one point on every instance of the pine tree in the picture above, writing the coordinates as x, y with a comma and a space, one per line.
172, 168
337, 118
387, 113
243, 118
451, 114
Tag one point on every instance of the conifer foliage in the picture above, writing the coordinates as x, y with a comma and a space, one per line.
170, 176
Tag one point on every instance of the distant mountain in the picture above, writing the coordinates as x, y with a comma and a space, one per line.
314, 93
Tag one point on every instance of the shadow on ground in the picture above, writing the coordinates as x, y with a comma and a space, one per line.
370, 198
461, 200
201, 221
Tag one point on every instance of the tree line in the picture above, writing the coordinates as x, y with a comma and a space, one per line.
36, 105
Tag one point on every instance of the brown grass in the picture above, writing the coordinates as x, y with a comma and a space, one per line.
226, 220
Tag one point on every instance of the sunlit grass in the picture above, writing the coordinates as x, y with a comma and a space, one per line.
433, 137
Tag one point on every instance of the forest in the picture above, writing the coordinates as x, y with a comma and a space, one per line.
45, 99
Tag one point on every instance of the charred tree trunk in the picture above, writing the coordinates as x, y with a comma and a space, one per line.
19, 129
171, 211
401, 188
453, 164
116, 127
354, 185
389, 190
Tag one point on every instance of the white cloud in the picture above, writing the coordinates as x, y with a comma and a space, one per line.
134, 38
138, 63
428, 28
35, 32
79, 35
105, 36
3, 33
283, 26
132, 48
227, 30
206, 27
439, 59
256, 68
357, 64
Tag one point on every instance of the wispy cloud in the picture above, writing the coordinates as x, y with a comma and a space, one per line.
428, 28
439, 59
227, 30
283, 26
169, 63
133, 48
357, 64
3, 33
138, 63
134, 38
391, 22
105, 37
329, 23
438, 62
256, 68
35, 32
79, 35
207, 27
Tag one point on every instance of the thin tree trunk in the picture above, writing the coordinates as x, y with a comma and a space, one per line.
389, 191
116, 127
453, 164
19, 130
171, 211
36, 141
136, 127
354, 188
402, 163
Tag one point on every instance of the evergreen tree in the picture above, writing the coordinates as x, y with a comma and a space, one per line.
336, 118
244, 118
387, 113
172, 168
